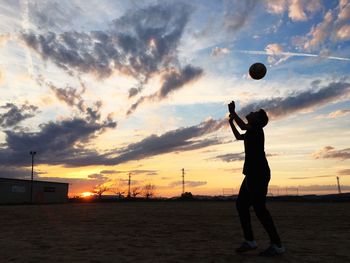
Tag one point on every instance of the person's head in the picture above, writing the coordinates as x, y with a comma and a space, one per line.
258, 118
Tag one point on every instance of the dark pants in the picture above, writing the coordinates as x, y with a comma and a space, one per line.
253, 193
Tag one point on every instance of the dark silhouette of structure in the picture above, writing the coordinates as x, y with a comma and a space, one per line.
129, 183
254, 187
339, 191
183, 180
24, 191
32, 153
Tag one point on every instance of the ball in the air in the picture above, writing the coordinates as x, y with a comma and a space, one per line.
257, 70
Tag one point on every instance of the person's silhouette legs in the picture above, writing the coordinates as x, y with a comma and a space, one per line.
266, 220
253, 193
242, 204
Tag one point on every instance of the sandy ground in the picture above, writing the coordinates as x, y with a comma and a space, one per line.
168, 232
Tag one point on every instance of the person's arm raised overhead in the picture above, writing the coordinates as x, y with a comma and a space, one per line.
234, 130
241, 124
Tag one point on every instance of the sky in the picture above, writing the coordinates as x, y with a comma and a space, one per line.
103, 89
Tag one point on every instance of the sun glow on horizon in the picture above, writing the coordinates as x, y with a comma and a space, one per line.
86, 194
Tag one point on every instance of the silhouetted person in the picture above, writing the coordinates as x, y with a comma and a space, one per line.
254, 187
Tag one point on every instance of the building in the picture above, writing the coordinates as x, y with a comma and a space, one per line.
18, 191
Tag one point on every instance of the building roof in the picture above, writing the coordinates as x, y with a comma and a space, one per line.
26, 180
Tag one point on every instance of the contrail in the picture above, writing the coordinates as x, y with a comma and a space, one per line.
289, 54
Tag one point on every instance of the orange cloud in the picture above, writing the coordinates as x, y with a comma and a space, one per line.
296, 8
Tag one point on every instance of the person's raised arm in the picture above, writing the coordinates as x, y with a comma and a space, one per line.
241, 124
234, 130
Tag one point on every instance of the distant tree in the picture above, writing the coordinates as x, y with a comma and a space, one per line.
148, 190
187, 196
99, 190
118, 190
135, 191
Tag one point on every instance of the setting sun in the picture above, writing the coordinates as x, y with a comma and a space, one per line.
86, 194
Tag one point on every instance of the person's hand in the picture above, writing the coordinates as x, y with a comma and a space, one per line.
230, 118
231, 107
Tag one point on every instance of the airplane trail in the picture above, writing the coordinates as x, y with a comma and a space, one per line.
290, 54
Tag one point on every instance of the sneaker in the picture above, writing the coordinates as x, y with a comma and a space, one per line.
246, 246
273, 250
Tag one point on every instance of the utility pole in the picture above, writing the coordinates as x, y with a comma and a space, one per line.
339, 191
129, 182
32, 153
183, 180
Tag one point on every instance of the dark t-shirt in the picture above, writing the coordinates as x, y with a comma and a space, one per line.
255, 163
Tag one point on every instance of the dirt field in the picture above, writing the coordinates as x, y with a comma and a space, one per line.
168, 232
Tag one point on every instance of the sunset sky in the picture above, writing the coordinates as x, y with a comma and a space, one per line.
102, 88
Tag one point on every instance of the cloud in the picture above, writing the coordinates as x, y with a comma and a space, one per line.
179, 140
18, 172
187, 183
2, 77
279, 107
71, 96
133, 172
342, 22
276, 6
319, 33
237, 13
217, 51
344, 172
110, 172
4, 38
140, 43
334, 28
344, 10
297, 9
52, 15
64, 143
296, 12
176, 79
343, 33
172, 80
146, 172
335, 114
275, 54
99, 176
273, 49
329, 152
309, 177
54, 143
14, 114
182, 139
231, 157
233, 170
